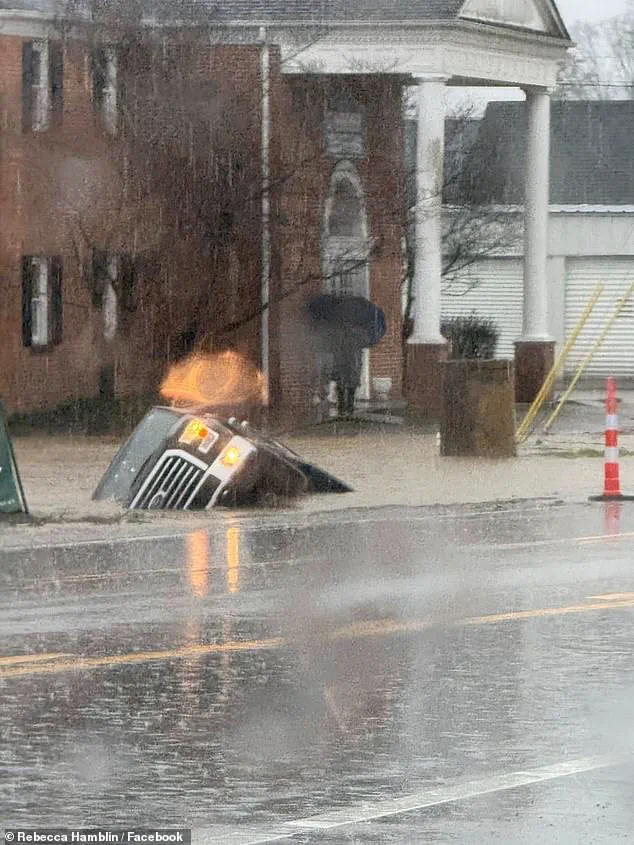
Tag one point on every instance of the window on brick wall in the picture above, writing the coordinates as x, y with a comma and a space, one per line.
348, 276
42, 83
42, 301
111, 300
104, 86
56, 75
128, 287
345, 244
114, 288
345, 219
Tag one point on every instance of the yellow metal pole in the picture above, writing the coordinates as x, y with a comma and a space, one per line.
522, 431
586, 361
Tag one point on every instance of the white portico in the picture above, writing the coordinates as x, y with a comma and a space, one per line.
439, 43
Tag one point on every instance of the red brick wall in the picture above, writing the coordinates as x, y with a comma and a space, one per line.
36, 219
62, 190
70, 175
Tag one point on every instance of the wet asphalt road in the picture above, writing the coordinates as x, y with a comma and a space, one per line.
396, 676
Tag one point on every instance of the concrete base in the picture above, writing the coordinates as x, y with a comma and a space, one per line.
479, 409
423, 383
533, 362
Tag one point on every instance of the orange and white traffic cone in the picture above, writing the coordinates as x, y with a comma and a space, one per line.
611, 473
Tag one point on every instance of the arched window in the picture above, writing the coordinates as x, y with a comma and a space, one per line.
345, 215
345, 243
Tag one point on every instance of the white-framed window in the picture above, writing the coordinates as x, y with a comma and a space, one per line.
35, 86
111, 300
41, 100
104, 86
114, 288
42, 306
345, 244
40, 330
348, 276
42, 83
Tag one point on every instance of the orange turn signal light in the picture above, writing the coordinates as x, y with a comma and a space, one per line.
231, 456
195, 430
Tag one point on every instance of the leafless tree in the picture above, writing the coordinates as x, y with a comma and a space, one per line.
601, 66
187, 183
471, 231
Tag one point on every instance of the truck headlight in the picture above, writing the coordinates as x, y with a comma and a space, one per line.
231, 456
194, 430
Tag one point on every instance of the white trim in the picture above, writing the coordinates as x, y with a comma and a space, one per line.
355, 248
552, 209
40, 295
110, 312
108, 108
591, 209
467, 53
41, 88
337, 247
460, 49
265, 246
26, 24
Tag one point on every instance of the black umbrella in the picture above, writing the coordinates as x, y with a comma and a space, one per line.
353, 317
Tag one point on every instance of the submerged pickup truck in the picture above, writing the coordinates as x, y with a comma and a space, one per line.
188, 459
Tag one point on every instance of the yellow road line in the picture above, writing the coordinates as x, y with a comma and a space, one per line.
32, 658
386, 627
614, 597
547, 611
383, 627
71, 663
604, 538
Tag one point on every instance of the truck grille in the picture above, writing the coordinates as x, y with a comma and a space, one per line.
171, 484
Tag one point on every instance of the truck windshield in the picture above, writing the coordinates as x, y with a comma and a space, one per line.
155, 427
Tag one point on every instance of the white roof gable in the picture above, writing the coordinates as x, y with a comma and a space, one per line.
533, 15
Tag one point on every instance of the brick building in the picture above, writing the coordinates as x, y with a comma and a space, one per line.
192, 181
139, 174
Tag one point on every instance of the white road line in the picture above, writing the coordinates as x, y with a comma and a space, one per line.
40, 543
420, 800
306, 520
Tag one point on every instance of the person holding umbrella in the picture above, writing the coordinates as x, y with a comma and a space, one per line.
349, 324
346, 371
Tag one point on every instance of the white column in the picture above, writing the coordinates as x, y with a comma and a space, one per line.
535, 327
429, 184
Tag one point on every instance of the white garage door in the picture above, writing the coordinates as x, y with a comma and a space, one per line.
616, 356
492, 289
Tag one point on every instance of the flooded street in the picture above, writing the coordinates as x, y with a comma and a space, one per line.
396, 675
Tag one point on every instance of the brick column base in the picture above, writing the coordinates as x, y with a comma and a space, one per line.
423, 384
533, 362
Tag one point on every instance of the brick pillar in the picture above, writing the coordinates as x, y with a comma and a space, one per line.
533, 362
423, 384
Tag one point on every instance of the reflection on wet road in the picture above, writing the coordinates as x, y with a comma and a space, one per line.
392, 677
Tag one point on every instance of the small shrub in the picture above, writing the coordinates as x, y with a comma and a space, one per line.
470, 337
